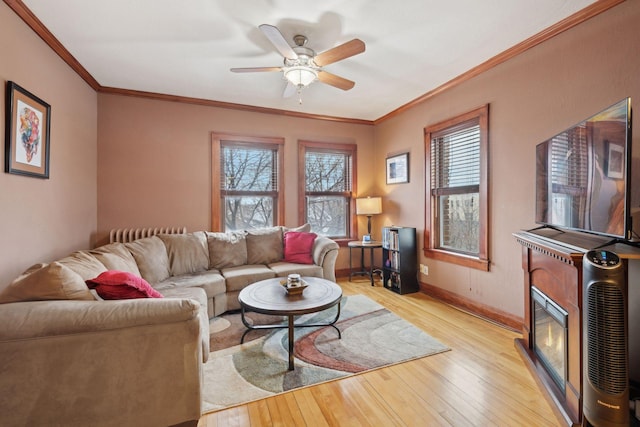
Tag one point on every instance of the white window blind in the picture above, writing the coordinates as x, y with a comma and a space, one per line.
456, 159
455, 183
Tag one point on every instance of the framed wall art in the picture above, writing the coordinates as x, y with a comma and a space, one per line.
27, 125
398, 169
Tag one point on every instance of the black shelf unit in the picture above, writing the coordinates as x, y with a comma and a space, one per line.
399, 259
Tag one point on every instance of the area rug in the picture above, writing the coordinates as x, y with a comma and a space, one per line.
372, 337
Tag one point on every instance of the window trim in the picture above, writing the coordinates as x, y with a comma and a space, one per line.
351, 149
217, 141
481, 262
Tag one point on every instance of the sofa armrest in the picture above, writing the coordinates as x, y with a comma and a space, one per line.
27, 320
325, 254
129, 362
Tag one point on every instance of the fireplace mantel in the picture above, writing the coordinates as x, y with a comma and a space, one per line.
555, 268
552, 261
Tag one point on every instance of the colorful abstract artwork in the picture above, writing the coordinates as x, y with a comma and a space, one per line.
27, 142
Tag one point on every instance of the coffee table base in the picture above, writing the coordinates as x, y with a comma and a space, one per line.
291, 325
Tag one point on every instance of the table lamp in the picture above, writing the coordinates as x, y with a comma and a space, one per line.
368, 206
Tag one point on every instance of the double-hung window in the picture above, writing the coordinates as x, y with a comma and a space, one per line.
246, 183
457, 200
327, 188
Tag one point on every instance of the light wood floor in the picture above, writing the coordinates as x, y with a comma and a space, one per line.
482, 381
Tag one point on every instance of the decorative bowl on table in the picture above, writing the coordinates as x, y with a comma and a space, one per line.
294, 285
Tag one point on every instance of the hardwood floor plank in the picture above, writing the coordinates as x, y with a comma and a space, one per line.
481, 381
311, 411
450, 403
412, 406
259, 413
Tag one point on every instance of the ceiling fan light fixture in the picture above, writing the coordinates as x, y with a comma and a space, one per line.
300, 76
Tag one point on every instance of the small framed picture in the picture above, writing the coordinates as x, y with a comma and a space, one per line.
615, 161
27, 141
398, 169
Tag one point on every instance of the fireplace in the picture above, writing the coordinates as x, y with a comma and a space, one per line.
551, 342
552, 330
550, 336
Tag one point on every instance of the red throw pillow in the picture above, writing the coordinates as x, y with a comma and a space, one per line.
113, 284
297, 247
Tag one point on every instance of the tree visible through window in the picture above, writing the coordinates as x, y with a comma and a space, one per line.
457, 201
328, 187
247, 185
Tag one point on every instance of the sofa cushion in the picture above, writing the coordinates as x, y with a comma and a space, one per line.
298, 246
264, 245
188, 253
116, 256
83, 263
46, 282
227, 249
210, 280
122, 285
283, 269
238, 278
151, 256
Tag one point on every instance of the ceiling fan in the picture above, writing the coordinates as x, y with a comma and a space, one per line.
302, 66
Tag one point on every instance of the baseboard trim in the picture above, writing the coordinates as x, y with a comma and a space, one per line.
483, 311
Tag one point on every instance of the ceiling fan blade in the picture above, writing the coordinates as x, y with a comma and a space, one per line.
338, 53
255, 69
337, 81
277, 39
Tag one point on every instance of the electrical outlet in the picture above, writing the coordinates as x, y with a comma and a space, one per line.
424, 269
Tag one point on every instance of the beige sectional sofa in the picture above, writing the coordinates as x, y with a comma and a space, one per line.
70, 358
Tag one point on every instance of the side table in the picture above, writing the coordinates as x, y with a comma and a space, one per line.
362, 246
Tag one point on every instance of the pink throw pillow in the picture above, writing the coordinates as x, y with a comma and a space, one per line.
113, 284
297, 247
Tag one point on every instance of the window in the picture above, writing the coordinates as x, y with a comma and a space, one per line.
457, 201
327, 188
246, 182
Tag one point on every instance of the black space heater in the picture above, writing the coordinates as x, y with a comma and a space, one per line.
605, 380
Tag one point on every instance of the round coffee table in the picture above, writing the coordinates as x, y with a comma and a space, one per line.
270, 297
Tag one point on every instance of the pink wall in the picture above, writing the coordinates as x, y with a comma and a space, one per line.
41, 220
154, 159
532, 97
154, 167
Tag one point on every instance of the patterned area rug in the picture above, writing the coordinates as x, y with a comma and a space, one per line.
372, 337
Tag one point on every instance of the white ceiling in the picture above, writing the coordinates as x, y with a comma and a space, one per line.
186, 48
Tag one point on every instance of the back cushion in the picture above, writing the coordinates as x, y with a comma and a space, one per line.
115, 256
83, 263
298, 247
188, 253
227, 249
264, 245
46, 282
304, 228
152, 259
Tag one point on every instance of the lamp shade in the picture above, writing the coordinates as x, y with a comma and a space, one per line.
369, 206
300, 75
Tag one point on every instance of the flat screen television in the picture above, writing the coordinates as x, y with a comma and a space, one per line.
583, 175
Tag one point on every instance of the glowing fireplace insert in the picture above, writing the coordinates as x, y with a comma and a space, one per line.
550, 336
